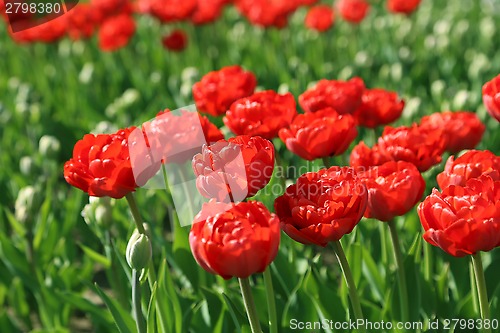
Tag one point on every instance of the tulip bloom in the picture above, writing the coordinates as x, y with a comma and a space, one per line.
262, 114
320, 134
491, 97
102, 165
393, 189
235, 169
472, 164
235, 240
402, 6
463, 130
353, 11
322, 206
418, 145
343, 96
463, 220
378, 107
116, 32
175, 41
320, 18
217, 90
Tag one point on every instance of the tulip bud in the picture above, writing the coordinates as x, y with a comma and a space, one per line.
139, 251
49, 146
26, 165
98, 211
26, 203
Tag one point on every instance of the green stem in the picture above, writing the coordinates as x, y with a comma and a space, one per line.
481, 288
250, 305
403, 291
326, 162
136, 303
428, 261
135, 212
351, 286
271, 302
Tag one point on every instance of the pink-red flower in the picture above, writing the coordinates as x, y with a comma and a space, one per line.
343, 96
235, 169
111, 164
472, 164
418, 145
353, 11
463, 220
175, 41
320, 18
116, 32
235, 240
175, 137
378, 107
491, 97
393, 189
402, 6
322, 206
320, 134
217, 90
463, 130
262, 114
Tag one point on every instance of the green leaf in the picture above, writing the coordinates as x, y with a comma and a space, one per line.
123, 320
96, 257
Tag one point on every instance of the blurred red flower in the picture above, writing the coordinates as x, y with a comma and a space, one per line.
353, 11
235, 169
320, 18
175, 41
267, 13
263, 113
491, 97
175, 137
421, 146
217, 90
472, 164
81, 21
343, 96
105, 9
322, 206
378, 107
463, 220
169, 10
393, 189
110, 165
402, 6
115, 32
320, 134
463, 130
207, 11
235, 240
48, 32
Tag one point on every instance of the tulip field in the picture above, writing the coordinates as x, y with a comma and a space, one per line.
254, 166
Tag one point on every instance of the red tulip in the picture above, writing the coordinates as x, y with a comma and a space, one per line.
353, 11
320, 18
463, 130
175, 41
322, 206
320, 134
116, 32
402, 6
393, 189
418, 145
235, 169
463, 220
472, 164
170, 10
102, 165
207, 11
491, 97
343, 96
267, 13
81, 21
262, 114
177, 137
217, 90
235, 240
378, 107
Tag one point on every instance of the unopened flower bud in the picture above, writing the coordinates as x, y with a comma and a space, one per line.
139, 251
98, 211
49, 146
25, 205
26, 165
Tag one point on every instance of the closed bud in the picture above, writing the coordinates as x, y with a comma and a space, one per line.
139, 251
26, 165
49, 146
26, 204
98, 211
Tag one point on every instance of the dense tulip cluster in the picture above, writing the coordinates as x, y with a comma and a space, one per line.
114, 20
